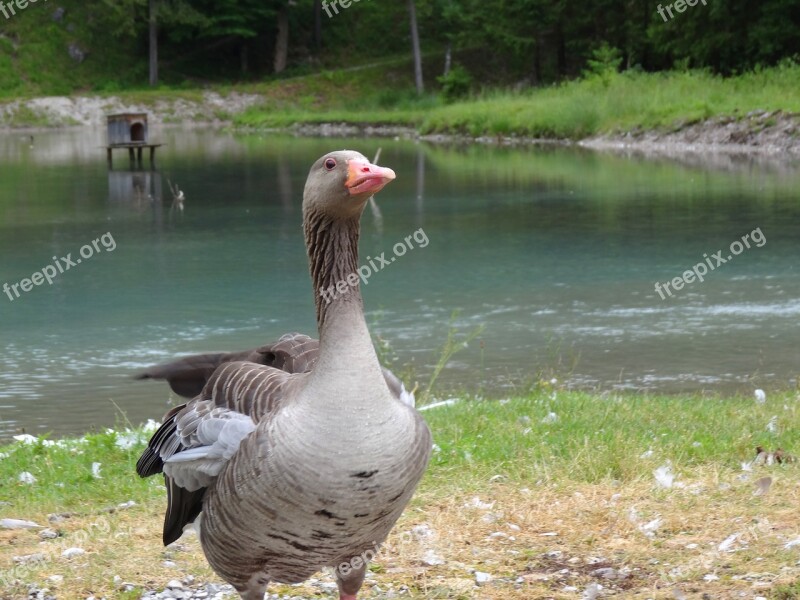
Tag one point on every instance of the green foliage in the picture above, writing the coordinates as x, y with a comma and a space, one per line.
456, 84
455, 343
536, 41
604, 64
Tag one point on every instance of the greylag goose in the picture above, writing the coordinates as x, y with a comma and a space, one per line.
297, 468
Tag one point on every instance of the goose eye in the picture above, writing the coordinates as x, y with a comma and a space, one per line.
330, 164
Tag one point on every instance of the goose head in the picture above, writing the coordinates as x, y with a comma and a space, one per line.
340, 183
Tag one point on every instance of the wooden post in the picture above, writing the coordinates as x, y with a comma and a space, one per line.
110, 160
131, 155
139, 155
152, 156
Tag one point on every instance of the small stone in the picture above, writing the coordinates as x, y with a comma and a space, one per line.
422, 532
592, 591
175, 585
29, 558
76, 53
17, 524
432, 559
550, 418
72, 552
27, 478
48, 534
482, 578
605, 573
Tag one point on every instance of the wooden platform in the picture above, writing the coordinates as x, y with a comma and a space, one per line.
134, 152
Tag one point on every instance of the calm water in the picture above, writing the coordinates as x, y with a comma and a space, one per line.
555, 252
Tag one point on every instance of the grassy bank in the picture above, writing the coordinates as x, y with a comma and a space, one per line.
567, 498
382, 94
574, 110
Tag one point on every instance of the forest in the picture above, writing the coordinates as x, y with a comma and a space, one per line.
121, 44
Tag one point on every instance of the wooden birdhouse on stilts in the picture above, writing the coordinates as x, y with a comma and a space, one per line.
130, 130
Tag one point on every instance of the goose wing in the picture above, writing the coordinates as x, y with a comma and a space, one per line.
293, 353
187, 376
197, 439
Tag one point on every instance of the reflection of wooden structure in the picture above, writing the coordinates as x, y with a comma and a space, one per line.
134, 187
129, 130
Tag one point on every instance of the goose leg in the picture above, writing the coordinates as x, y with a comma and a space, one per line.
350, 584
256, 587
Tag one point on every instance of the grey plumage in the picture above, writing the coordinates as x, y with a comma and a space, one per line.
293, 353
301, 454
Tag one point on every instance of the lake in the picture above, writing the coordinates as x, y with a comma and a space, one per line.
555, 252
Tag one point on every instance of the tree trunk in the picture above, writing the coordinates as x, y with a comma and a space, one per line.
412, 14
318, 24
536, 75
282, 39
561, 53
153, 43
244, 58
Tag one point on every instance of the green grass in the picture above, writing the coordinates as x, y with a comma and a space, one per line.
573, 110
63, 472
598, 437
605, 438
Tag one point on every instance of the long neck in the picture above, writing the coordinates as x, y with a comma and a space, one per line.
333, 256
345, 345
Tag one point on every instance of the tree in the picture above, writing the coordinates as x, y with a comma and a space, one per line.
412, 15
282, 39
153, 31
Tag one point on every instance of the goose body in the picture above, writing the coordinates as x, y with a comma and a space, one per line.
298, 454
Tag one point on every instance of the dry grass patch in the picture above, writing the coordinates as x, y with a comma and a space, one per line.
636, 540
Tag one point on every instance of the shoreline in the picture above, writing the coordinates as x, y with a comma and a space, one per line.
771, 135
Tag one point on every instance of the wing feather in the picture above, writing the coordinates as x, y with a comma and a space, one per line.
232, 393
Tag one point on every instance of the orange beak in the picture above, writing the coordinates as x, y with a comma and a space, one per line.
366, 178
